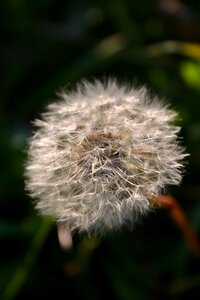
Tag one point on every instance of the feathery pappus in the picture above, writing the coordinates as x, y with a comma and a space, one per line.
100, 153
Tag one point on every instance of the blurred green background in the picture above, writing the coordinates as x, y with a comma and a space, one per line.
48, 44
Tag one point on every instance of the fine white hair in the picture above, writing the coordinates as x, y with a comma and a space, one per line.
100, 153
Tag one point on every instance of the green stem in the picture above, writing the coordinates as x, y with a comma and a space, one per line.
19, 277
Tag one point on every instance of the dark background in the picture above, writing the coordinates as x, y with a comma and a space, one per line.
47, 44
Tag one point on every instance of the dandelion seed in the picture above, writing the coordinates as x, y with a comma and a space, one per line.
100, 154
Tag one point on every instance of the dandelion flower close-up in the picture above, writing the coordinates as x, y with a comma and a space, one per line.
100, 153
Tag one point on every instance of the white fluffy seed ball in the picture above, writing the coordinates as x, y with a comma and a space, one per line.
100, 153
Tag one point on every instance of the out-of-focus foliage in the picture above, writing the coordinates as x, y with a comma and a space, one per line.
46, 45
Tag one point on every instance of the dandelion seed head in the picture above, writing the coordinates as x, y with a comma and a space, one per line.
100, 153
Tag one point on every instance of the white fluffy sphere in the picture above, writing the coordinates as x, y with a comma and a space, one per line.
99, 155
